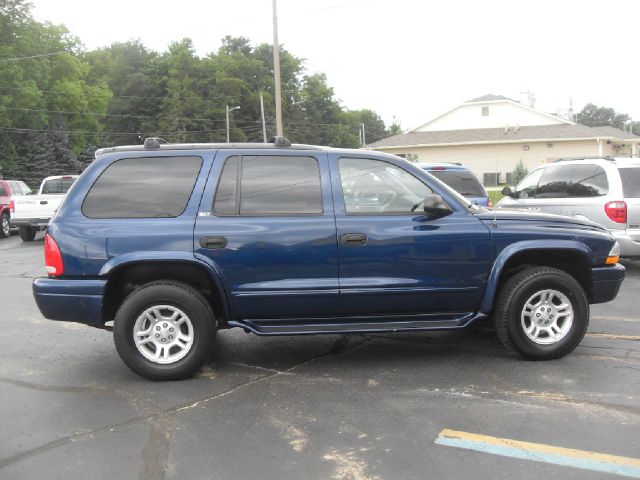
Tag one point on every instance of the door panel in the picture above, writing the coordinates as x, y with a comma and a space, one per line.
274, 266
409, 264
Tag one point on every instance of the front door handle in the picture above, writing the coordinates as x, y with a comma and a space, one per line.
213, 242
353, 239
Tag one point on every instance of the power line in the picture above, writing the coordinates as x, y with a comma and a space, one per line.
81, 132
33, 56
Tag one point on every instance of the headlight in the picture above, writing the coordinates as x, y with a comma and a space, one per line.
614, 254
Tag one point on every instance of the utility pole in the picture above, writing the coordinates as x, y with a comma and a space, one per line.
229, 110
264, 127
364, 140
276, 71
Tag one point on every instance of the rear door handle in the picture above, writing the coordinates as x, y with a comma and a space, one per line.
213, 242
353, 239
43, 202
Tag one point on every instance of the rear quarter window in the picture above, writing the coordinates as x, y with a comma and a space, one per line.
146, 187
630, 182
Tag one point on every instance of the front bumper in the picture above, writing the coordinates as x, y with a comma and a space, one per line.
606, 282
629, 241
37, 223
70, 300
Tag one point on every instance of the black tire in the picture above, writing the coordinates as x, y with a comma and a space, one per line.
511, 301
180, 296
5, 226
27, 234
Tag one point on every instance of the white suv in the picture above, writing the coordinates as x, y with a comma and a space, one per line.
606, 191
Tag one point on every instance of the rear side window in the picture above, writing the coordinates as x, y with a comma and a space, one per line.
630, 182
154, 187
3, 190
269, 185
574, 181
463, 182
57, 185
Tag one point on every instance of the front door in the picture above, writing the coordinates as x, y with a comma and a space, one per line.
393, 258
265, 225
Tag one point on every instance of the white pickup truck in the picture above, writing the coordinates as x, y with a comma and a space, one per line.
32, 213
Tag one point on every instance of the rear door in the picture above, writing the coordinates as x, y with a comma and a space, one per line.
586, 191
266, 223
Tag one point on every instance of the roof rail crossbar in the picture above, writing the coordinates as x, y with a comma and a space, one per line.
279, 141
153, 142
594, 157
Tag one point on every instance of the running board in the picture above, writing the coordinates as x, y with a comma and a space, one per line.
401, 323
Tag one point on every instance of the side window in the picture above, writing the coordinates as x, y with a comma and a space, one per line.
375, 186
154, 187
15, 188
528, 186
3, 190
555, 181
588, 181
269, 185
25, 188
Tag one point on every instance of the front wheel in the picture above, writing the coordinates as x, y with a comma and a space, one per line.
541, 313
27, 234
164, 330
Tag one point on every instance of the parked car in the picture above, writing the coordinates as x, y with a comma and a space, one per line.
33, 213
281, 239
606, 191
461, 179
9, 190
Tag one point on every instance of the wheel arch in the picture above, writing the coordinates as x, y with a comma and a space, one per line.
124, 276
570, 256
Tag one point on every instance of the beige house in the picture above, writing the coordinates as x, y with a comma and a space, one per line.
491, 134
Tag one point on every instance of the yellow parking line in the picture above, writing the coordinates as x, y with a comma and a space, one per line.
569, 457
618, 337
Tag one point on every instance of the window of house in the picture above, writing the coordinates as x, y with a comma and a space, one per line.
269, 185
485, 111
154, 187
374, 186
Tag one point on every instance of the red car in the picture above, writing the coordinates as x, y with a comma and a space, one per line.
8, 190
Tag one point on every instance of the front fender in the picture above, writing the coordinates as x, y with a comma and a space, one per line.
524, 246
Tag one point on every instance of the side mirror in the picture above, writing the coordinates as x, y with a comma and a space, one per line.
435, 207
507, 192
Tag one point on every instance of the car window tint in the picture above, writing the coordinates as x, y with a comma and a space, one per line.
225, 202
375, 186
528, 186
465, 183
57, 185
274, 185
3, 190
153, 187
630, 182
555, 181
588, 181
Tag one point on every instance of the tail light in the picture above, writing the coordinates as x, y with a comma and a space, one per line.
52, 257
616, 211
490, 203
12, 206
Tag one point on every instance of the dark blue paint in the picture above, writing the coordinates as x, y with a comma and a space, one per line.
291, 274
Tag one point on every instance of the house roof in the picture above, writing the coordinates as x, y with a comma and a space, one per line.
490, 97
501, 135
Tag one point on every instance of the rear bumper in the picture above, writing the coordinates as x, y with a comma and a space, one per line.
628, 246
606, 283
70, 300
38, 223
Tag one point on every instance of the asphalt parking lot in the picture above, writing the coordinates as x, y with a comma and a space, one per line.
314, 407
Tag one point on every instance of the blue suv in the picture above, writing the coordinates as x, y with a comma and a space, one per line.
174, 242
461, 179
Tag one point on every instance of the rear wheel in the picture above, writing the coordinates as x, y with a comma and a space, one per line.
164, 330
541, 313
5, 226
27, 234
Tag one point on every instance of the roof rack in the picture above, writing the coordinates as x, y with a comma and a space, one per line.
280, 141
154, 142
595, 157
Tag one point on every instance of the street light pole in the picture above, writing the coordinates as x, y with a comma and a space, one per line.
229, 110
276, 71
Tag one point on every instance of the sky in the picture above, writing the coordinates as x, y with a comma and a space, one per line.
408, 60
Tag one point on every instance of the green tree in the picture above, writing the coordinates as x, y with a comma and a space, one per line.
519, 173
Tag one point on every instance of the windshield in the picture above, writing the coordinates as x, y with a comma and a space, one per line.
462, 181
